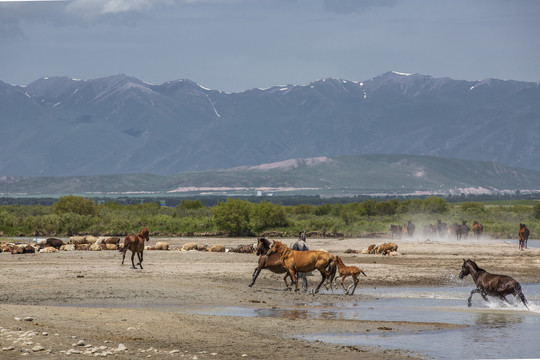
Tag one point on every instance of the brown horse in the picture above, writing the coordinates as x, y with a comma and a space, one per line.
491, 284
135, 243
477, 229
524, 234
270, 262
345, 271
304, 261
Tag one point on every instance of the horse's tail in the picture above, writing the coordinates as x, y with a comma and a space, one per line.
332, 267
124, 248
362, 271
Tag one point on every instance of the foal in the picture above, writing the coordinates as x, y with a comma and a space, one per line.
345, 271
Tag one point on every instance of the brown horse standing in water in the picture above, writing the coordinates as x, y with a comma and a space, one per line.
304, 261
135, 243
491, 284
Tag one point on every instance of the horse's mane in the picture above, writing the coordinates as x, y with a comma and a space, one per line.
476, 267
266, 243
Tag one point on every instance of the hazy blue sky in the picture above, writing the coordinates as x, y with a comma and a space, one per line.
235, 45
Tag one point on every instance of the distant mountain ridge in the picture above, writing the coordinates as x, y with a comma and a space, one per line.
325, 176
59, 126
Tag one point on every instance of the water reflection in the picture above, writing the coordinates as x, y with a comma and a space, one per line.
497, 320
295, 314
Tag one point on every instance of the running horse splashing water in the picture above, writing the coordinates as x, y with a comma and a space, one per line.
135, 243
491, 284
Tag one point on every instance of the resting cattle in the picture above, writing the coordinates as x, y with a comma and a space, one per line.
385, 249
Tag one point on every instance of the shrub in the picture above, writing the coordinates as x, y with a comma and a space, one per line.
472, 207
266, 215
434, 205
232, 216
536, 211
75, 204
190, 205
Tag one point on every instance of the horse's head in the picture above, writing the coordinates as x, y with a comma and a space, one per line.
262, 246
277, 247
466, 268
145, 233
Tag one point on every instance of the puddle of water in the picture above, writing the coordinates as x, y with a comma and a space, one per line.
495, 330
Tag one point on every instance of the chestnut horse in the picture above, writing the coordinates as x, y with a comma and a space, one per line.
491, 284
477, 229
304, 261
345, 271
135, 243
524, 234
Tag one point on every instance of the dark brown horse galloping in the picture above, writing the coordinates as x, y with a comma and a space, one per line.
491, 284
135, 243
270, 262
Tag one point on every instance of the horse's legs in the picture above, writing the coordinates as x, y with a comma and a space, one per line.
325, 274
132, 257
343, 277
355, 283
469, 301
294, 279
140, 256
255, 275
123, 256
285, 279
521, 297
303, 276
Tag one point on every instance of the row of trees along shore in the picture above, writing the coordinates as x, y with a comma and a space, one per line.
76, 215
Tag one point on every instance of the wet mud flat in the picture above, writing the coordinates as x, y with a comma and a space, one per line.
194, 303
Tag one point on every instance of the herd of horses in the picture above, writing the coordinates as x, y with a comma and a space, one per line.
295, 262
458, 230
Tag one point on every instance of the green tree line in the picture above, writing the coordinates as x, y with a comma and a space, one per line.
72, 215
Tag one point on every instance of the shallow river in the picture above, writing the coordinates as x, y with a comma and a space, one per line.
494, 329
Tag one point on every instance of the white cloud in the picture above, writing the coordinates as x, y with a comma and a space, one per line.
98, 7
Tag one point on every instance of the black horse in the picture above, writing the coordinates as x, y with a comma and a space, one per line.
491, 284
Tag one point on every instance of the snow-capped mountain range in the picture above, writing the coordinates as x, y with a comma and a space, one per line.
59, 126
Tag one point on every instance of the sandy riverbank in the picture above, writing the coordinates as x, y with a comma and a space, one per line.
89, 296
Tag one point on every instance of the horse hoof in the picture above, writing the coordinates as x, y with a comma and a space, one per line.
250, 285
